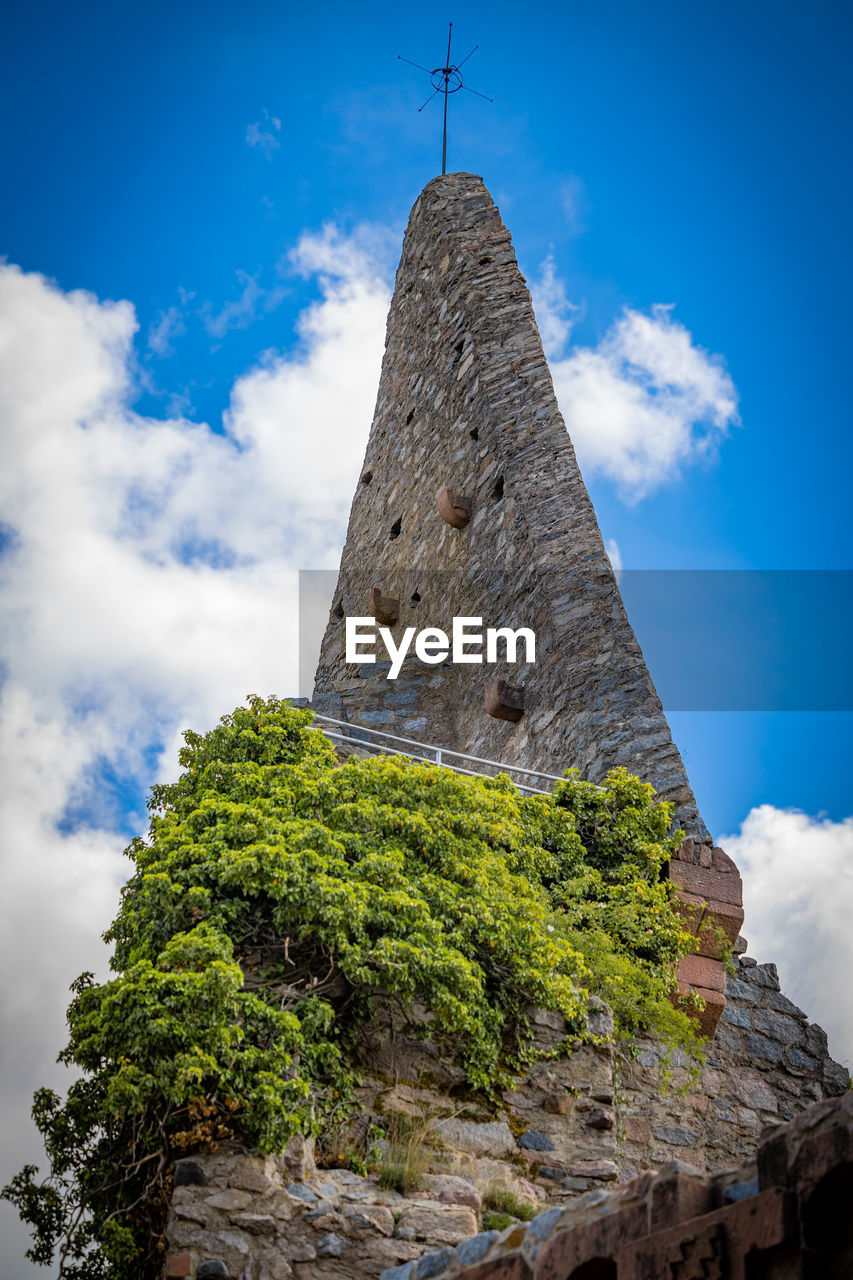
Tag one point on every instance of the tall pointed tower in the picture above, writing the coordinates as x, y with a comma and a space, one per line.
466, 404
471, 504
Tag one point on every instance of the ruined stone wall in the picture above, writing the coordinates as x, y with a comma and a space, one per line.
466, 401
567, 1132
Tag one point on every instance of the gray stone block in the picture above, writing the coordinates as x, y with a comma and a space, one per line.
534, 1141
676, 1135
736, 989
471, 1251
300, 1192
737, 1015
432, 1264
777, 1026
331, 1246
403, 1272
763, 1049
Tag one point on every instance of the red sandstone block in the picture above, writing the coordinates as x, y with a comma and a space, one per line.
702, 971
820, 1154
178, 1267
726, 916
567, 1250
707, 883
691, 909
723, 1243
721, 861
715, 1003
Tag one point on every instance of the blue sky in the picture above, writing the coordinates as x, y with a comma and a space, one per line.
178, 164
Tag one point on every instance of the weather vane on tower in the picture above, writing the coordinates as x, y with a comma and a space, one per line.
446, 80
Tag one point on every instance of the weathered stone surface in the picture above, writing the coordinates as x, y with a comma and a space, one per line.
440, 1223
450, 1189
331, 1246
491, 1138
230, 1201
750, 1089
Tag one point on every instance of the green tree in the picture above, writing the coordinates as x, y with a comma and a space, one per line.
280, 900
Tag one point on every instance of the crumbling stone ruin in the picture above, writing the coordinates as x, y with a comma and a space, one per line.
470, 503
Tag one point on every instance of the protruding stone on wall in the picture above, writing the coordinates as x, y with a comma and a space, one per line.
505, 701
453, 508
385, 609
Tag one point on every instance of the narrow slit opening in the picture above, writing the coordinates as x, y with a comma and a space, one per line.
338, 610
367, 477
416, 597
498, 490
474, 433
410, 416
395, 528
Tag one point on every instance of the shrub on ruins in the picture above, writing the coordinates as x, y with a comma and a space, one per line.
279, 902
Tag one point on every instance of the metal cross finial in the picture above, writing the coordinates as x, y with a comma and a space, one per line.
446, 80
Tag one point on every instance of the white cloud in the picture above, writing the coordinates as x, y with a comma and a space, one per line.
556, 316
150, 583
168, 325
240, 312
574, 202
611, 546
262, 135
642, 404
798, 899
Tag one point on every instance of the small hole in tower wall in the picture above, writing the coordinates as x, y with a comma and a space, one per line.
395, 529
460, 347
498, 490
484, 261
338, 610
367, 477
416, 597
411, 415
475, 434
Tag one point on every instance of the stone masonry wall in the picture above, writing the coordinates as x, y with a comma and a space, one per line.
568, 1130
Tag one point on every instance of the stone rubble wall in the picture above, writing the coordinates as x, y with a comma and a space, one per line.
569, 1129
786, 1216
766, 1063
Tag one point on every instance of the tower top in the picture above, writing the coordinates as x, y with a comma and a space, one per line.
446, 80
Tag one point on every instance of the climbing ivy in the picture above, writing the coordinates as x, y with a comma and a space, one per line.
283, 900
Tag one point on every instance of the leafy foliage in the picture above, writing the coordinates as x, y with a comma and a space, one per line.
280, 900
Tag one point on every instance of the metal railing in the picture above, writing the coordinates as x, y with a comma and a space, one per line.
440, 755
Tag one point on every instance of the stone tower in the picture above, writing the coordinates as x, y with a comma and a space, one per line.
466, 404
471, 504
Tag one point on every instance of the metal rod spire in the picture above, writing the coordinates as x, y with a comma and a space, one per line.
446, 75
445, 80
